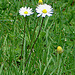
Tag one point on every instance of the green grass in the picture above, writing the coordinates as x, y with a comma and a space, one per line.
57, 30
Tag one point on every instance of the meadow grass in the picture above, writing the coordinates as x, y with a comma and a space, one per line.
57, 30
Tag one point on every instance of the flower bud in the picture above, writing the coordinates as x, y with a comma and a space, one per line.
59, 49
40, 2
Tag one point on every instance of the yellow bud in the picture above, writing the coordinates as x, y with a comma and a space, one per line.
10, 14
40, 2
59, 49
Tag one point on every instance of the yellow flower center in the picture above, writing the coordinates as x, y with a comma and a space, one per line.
44, 11
40, 2
26, 12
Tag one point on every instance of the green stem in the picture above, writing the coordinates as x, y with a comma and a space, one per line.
34, 42
23, 38
33, 34
22, 2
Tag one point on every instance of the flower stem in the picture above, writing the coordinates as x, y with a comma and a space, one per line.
33, 34
34, 42
23, 38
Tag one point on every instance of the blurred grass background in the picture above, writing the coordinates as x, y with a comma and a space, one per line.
57, 30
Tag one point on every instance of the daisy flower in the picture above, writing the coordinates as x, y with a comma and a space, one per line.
25, 11
44, 10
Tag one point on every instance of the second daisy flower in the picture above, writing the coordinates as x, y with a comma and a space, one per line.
44, 10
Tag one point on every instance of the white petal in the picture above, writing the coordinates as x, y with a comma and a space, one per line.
25, 7
24, 15
38, 15
43, 15
28, 8
28, 14
49, 14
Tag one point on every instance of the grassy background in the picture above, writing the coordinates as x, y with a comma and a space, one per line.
57, 30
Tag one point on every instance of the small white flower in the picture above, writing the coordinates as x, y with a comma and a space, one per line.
25, 11
44, 10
